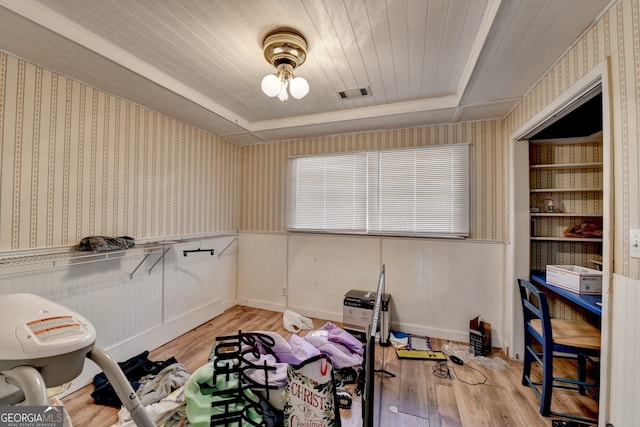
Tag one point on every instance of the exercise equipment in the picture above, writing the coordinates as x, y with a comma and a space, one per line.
42, 345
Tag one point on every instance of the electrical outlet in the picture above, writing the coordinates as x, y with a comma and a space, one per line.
634, 243
284, 291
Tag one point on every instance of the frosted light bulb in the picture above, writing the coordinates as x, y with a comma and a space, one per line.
298, 87
271, 85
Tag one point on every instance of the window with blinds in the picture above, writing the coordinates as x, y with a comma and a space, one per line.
421, 191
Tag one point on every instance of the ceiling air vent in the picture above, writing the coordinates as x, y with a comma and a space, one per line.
354, 93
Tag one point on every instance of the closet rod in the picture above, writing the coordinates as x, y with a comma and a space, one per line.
186, 251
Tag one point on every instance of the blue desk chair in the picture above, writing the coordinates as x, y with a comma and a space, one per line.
545, 339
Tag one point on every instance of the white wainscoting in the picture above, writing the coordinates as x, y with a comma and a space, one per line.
131, 315
437, 286
262, 271
625, 347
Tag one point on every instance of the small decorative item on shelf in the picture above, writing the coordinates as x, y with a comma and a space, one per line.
535, 206
548, 205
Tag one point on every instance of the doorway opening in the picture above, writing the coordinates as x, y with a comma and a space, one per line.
588, 95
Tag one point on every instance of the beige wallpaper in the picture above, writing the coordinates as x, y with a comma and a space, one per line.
615, 36
263, 171
76, 161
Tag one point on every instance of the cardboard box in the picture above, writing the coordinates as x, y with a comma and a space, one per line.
480, 336
358, 310
574, 278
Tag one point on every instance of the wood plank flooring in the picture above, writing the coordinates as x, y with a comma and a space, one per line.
414, 397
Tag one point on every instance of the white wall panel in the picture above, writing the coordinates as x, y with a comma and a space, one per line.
199, 279
262, 270
116, 305
322, 269
437, 286
625, 346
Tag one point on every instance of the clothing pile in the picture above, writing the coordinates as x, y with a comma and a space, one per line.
101, 244
158, 384
247, 374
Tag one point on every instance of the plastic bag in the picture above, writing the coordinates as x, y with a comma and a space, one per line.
491, 363
466, 354
463, 352
293, 322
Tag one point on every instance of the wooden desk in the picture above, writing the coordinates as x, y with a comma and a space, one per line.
592, 303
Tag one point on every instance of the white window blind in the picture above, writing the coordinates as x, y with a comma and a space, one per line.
328, 193
413, 191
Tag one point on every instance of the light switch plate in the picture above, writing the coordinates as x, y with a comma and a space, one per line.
634, 243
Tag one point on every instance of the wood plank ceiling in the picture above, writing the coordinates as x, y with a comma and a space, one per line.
424, 61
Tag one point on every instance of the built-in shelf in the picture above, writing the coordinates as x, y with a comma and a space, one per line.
567, 239
566, 215
565, 190
577, 140
593, 165
565, 172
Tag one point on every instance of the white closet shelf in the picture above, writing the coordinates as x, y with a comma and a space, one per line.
592, 165
27, 260
568, 239
43, 259
566, 214
565, 190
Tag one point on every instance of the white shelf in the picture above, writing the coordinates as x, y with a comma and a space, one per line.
568, 239
566, 214
596, 137
594, 165
44, 259
565, 190
28, 260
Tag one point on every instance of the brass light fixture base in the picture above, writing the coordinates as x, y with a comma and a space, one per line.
285, 47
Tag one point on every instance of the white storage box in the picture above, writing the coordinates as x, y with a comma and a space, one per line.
574, 278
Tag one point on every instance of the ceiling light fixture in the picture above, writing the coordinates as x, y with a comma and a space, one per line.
286, 51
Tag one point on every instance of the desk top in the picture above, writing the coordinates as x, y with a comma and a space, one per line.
592, 303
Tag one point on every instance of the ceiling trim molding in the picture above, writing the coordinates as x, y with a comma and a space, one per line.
488, 19
418, 105
80, 35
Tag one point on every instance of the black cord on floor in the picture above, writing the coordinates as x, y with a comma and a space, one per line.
484, 381
441, 370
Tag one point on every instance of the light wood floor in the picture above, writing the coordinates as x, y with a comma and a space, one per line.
415, 397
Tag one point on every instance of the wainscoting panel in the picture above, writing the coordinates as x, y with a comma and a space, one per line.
262, 270
199, 286
102, 292
322, 269
625, 346
436, 286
